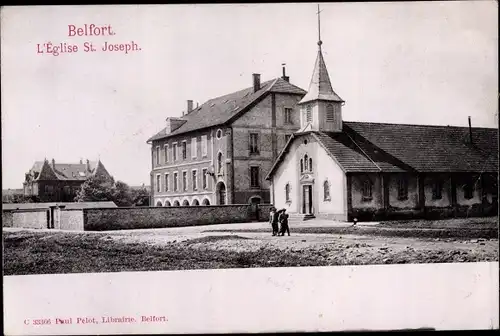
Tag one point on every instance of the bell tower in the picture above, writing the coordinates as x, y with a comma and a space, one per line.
321, 107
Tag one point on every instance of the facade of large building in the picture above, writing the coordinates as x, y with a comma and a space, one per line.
344, 170
59, 182
220, 152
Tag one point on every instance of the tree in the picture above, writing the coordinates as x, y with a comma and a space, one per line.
140, 197
95, 189
122, 195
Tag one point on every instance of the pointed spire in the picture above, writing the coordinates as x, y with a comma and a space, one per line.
320, 87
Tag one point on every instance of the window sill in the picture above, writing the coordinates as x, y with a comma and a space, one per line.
288, 202
327, 200
254, 187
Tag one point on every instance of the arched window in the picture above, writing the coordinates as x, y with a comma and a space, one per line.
367, 190
330, 112
326, 191
167, 203
219, 163
287, 193
158, 204
185, 203
310, 164
306, 162
176, 203
403, 188
206, 201
301, 165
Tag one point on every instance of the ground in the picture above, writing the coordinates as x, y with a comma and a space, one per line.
312, 243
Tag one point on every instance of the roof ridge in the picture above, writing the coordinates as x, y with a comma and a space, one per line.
418, 125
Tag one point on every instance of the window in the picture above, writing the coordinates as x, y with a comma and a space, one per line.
205, 178
204, 145
184, 150
219, 163
165, 150
176, 181
67, 190
437, 187
287, 137
195, 180
184, 180
326, 191
403, 188
254, 143
367, 190
301, 165
193, 148
307, 163
330, 112
308, 113
254, 177
468, 190
288, 116
174, 152
287, 193
157, 155
219, 134
158, 183
166, 182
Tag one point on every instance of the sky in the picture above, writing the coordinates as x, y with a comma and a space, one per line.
404, 62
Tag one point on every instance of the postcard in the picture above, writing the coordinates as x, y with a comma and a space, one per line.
250, 168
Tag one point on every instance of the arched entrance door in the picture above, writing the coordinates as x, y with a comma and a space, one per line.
176, 203
195, 202
221, 193
185, 203
206, 201
158, 204
167, 203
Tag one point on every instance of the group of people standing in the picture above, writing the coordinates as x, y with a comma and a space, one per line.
279, 222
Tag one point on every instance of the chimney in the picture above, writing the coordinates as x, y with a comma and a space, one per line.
197, 105
53, 163
256, 82
81, 162
285, 77
470, 132
190, 106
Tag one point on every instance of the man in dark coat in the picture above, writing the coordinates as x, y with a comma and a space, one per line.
273, 219
283, 219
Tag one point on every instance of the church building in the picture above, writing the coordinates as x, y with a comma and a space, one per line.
335, 169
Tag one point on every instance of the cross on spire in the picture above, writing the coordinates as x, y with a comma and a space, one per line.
319, 29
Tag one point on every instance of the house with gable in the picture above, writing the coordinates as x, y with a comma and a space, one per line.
59, 182
220, 152
342, 170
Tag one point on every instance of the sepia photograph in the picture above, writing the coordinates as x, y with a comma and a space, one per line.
240, 138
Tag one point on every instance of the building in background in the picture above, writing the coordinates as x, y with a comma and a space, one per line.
59, 182
220, 152
344, 170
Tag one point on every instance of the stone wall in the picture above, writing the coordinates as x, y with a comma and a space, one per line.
7, 218
71, 220
30, 218
161, 217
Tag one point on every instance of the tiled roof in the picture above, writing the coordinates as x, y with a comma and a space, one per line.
222, 109
378, 147
433, 148
68, 171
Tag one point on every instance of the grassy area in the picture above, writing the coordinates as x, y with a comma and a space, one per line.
30, 252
